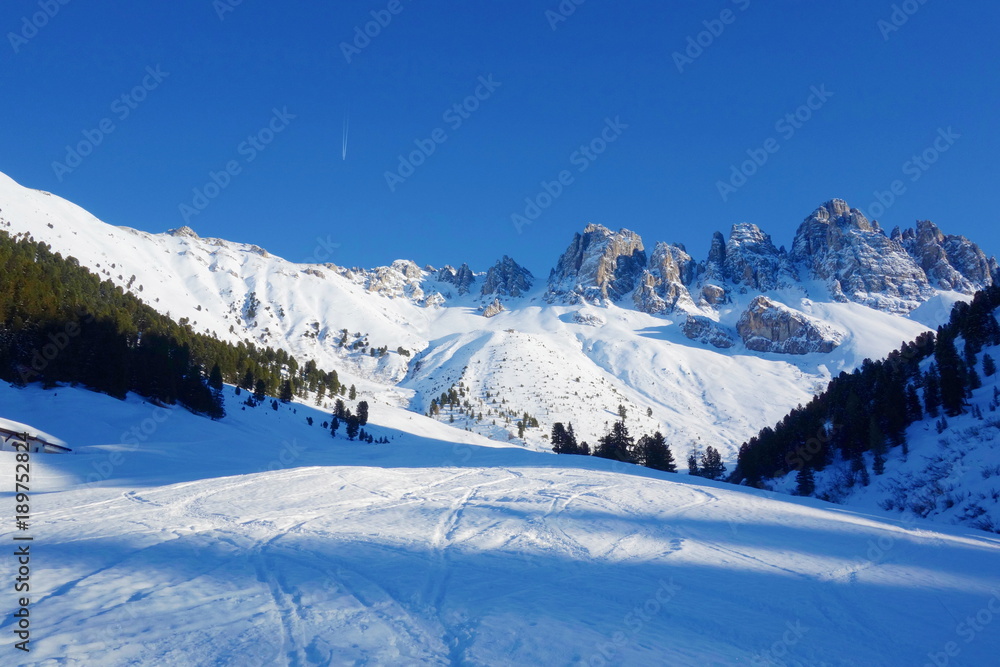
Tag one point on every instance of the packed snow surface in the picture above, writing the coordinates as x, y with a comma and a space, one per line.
168, 539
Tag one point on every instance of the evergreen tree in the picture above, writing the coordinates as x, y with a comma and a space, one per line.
712, 466
989, 365
215, 379
876, 443
653, 452
561, 439
354, 393
693, 463
622, 413
913, 409
363, 413
932, 392
339, 409
617, 445
951, 370
334, 425
259, 392
248, 381
353, 426
805, 481
286, 391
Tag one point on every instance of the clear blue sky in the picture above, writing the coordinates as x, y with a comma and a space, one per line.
557, 86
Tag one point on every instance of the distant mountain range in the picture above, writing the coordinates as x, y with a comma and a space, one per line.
706, 351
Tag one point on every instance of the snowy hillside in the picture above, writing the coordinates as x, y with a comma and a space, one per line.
166, 538
695, 347
948, 472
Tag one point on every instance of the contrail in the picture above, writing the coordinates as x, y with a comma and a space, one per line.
347, 127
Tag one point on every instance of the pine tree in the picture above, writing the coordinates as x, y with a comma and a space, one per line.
286, 391
805, 481
215, 378
259, 392
353, 395
653, 452
617, 445
363, 413
693, 463
353, 426
334, 425
951, 370
622, 413
712, 466
339, 409
913, 410
932, 392
989, 365
559, 439
248, 381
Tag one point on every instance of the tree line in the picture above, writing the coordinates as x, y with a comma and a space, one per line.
651, 451
59, 322
869, 409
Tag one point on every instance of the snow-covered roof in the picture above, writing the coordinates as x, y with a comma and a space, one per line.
18, 427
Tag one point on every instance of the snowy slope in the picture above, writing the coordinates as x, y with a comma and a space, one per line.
951, 475
562, 362
169, 539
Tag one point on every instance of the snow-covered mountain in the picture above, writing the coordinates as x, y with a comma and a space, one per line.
704, 351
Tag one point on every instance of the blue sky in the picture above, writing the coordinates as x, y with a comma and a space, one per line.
203, 81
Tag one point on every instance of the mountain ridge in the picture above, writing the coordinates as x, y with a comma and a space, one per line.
405, 333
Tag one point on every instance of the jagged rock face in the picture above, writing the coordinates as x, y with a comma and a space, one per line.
663, 285
713, 295
950, 262
703, 330
183, 232
493, 309
837, 244
507, 278
768, 326
599, 264
751, 260
401, 279
462, 277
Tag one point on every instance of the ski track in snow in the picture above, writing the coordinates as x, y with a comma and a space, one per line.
373, 555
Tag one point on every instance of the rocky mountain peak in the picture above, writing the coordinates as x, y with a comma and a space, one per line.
462, 277
184, 232
598, 264
752, 261
507, 278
